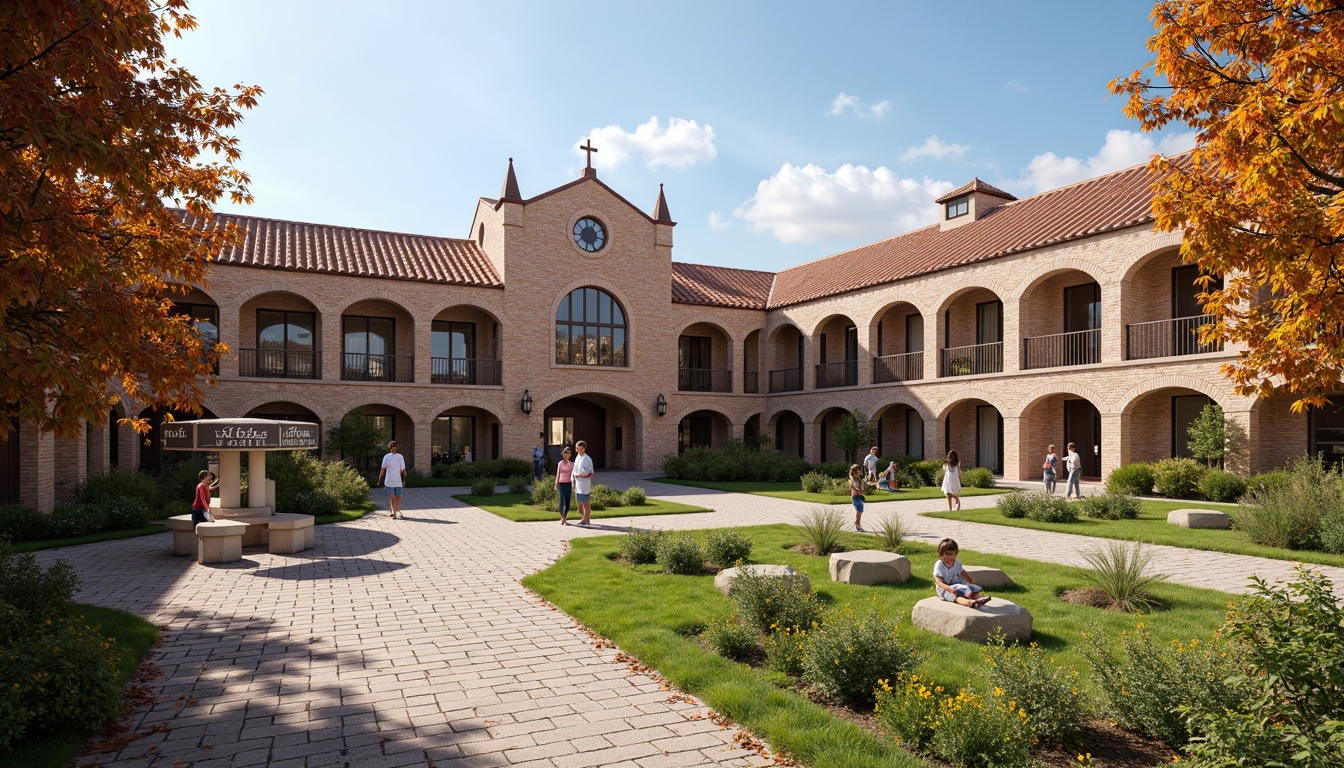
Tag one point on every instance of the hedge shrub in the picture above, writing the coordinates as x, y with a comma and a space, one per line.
495, 468
1217, 485
735, 461
724, 547
1131, 480
122, 484
978, 477
680, 553
1111, 506
1178, 478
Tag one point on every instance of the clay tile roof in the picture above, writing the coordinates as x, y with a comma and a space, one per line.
301, 247
720, 286
975, 185
1118, 200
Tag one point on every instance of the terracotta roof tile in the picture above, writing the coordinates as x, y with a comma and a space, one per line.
1118, 200
302, 247
975, 185
720, 286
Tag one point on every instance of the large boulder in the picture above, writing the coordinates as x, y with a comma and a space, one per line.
972, 624
1199, 518
988, 578
869, 566
724, 580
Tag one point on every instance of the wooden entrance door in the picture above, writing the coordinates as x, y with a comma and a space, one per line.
589, 423
1082, 426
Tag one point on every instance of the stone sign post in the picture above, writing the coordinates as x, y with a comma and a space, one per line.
230, 438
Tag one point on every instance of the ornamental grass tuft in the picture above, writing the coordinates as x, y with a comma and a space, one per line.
822, 528
891, 532
1118, 570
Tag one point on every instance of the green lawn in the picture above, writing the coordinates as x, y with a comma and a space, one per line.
792, 491
346, 516
1152, 527
133, 634
518, 508
655, 617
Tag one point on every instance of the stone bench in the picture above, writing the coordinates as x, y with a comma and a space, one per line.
1199, 518
869, 566
988, 578
284, 533
725, 578
219, 542
184, 534
290, 533
975, 625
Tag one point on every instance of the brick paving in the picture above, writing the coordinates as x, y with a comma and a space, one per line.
412, 643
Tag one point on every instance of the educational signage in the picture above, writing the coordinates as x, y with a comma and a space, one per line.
239, 434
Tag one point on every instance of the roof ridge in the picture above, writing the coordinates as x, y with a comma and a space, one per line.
720, 266
345, 227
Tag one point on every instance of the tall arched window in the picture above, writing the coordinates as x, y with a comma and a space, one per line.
590, 329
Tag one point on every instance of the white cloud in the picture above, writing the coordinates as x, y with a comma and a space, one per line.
683, 143
844, 102
1122, 149
808, 204
934, 148
717, 222
1017, 86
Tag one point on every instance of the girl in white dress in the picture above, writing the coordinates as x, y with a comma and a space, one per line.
952, 480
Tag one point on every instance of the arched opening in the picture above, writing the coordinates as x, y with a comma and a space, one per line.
702, 429
9, 465
751, 431
1058, 420
971, 335
371, 428
1160, 308
703, 363
1060, 321
590, 329
900, 429
788, 431
836, 342
1156, 424
464, 433
153, 458
785, 348
897, 341
825, 426
280, 337
377, 342
751, 363
607, 424
974, 429
464, 347
204, 314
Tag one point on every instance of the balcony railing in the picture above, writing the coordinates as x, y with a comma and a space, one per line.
786, 380
1168, 338
465, 371
361, 367
977, 358
1058, 349
844, 374
906, 367
704, 380
280, 363
751, 382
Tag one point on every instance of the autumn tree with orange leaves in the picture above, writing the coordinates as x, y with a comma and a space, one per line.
1261, 198
101, 139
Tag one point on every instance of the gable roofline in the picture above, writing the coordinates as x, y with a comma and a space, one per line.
593, 179
976, 185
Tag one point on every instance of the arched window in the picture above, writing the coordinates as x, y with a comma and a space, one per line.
590, 329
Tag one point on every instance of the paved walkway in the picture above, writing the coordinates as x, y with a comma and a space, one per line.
411, 643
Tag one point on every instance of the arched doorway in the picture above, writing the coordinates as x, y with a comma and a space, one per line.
974, 429
605, 423
464, 433
1058, 420
788, 429
702, 429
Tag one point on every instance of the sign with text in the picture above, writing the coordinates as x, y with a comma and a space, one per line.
239, 434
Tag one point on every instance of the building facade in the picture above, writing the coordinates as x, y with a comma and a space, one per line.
1009, 325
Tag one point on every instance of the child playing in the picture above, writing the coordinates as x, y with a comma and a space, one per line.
952, 581
887, 482
857, 487
952, 479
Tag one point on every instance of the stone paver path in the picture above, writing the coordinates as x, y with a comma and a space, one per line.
412, 643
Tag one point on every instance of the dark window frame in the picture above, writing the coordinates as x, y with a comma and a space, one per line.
958, 207
577, 323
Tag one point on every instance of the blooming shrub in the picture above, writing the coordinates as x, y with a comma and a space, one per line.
784, 648
849, 654
1049, 694
909, 711
730, 638
976, 730
641, 547
724, 547
680, 553
769, 602
1111, 506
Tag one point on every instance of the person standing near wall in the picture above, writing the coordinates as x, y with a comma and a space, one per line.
870, 465
538, 462
1050, 470
1074, 464
564, 484
952, 480
583, 481
393, 475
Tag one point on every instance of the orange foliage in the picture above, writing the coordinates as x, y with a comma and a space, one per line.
103, 141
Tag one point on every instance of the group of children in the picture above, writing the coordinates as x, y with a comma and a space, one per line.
950, 579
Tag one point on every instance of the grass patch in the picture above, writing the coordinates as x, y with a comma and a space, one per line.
1152, 527
794, 492
518, 508
655, 617
347, 515
92, 538
133, 634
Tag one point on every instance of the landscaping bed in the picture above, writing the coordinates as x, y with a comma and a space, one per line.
792, 491
519, 508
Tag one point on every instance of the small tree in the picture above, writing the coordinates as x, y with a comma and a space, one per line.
359, 437
1208, 435
853, 433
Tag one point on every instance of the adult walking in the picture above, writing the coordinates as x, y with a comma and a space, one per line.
952, 480
583, 481
564, 484
1050, 470
870, 465
392, 475
538, 462
1074, 464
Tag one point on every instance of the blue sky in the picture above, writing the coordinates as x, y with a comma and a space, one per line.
783, 131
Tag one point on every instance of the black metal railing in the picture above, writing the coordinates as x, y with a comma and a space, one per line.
786, 380
1059, 349
357, 366
842, 374
751, 382
465, 371
704, 380
1168, 338
904, 367
973, 359
280, 363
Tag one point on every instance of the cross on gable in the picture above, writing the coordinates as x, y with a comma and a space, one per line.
588, 147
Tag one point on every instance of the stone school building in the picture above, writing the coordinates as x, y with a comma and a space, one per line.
1008, 325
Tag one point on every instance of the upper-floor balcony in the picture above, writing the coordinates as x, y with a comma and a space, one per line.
1168, 338
973, 359
704, 380
1062, 349
786, 380
364, 367
465, 372
904, 367
842, 374
280, 363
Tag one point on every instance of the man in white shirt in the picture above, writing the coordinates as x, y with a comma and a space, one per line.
583, 481
394, 468
870, 465
1074, 464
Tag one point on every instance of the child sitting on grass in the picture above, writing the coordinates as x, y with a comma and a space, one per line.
953, 583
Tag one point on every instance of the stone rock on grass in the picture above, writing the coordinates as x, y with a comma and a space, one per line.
937, 615
724, 579
989, 578
1199, 518
869, 566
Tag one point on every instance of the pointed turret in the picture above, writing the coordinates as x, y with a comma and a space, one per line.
510, 191
660, 212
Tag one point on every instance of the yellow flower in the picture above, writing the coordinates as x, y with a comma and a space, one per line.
998, 691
